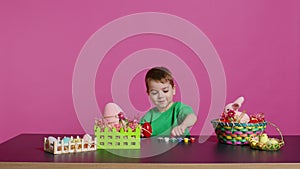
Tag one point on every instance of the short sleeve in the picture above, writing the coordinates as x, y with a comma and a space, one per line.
146, 117
184, 110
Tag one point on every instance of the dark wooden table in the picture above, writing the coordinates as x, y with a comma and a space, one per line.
26, 150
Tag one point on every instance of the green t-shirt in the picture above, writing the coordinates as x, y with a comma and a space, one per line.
162, 123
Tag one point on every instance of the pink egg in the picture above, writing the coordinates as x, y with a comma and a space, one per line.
87, 138
111, 112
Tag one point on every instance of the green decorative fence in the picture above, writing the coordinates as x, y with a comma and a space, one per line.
112, 139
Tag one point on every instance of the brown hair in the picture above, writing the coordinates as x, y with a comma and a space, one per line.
160, 74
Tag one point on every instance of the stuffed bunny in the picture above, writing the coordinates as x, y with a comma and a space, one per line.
240, 117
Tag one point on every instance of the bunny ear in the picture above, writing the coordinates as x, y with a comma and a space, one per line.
239, 101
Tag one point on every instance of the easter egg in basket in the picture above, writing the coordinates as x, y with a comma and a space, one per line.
111, 113
263, 142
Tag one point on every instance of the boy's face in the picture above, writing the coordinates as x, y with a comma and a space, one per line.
161, 94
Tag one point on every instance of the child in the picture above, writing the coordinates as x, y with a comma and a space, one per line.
167, 117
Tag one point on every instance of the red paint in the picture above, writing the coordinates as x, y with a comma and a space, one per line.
192, 139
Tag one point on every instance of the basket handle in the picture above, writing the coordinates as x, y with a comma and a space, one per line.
241, 116
272, 124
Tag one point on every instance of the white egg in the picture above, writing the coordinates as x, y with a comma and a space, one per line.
51, 139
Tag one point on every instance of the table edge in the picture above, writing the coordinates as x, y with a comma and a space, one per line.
47, 165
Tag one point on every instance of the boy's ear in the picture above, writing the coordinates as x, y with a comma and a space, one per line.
174, 90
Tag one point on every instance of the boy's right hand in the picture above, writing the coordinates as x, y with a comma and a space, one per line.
178, 130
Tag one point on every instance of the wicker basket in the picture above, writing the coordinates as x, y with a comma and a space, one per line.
237, 133
268, 146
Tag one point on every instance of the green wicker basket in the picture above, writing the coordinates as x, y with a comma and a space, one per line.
268, 146
113, 139
237, 133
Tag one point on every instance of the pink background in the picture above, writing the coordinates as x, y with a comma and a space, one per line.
257, 40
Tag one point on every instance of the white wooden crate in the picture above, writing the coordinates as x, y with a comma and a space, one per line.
72, 146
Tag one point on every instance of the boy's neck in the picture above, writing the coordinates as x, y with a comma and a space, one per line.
166, 108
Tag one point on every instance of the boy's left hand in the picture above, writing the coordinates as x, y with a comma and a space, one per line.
178, 130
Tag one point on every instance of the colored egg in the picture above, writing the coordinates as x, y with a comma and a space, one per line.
87, 138
147, 129
51, 139
77, 140
66, 140
110, 113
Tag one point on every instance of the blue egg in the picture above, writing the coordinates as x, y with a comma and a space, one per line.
66, 140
